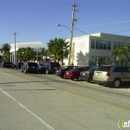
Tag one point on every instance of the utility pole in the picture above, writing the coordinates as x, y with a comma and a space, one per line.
71, 31
15, 47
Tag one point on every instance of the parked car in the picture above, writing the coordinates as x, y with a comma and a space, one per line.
6, 64
112, 75
87, 75
61, 71
17, 66
50, 67
75, 73
30, 67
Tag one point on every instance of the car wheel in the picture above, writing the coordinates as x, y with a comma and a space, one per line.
62, 76
117, 83
47, 72
78, 79
88, 81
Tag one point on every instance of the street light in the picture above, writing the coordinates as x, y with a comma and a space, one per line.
71, 40
63, 26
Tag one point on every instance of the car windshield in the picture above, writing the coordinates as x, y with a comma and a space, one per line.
64, 67
92, 69
103, 68
77, 68
55, 64
32, 64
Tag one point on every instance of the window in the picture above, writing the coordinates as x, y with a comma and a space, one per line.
117, 69
103, 44
120, 44
104, 68
109, 45
121, 69
92, 43
115, 45
97, 44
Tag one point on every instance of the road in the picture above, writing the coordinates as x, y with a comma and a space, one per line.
47, 102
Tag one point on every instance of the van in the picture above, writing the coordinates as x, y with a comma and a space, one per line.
50, 67
112, 75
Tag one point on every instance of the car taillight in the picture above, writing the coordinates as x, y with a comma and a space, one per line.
27, 67
88, 74
60, 71
108, 74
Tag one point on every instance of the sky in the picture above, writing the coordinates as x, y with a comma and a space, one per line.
36, 20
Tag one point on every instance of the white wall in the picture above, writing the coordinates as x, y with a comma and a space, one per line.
81, 56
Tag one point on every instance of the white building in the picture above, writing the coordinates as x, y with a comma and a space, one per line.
95, 48
35, 45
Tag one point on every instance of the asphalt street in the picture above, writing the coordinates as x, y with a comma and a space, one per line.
47, 102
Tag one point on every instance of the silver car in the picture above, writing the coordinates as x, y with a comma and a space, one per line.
112, 75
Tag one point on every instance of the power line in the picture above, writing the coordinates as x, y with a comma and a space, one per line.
80, 30
44, 19
103, 24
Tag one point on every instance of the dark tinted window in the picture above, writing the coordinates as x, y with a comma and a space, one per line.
77, 68
117, 69
85, 68
121, 69
46, 63
32, 64
92, 69
103, 68
125, 69
55, 64
51, 64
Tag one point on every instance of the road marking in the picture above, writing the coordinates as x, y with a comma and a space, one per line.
20, 104
79, 94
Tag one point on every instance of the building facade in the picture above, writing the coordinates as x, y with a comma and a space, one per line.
95, 48
15, 46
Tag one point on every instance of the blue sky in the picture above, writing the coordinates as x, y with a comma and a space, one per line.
35, 20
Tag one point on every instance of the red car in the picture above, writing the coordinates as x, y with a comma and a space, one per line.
75, 73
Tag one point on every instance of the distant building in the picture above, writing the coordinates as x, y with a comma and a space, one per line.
35, 45
95, 48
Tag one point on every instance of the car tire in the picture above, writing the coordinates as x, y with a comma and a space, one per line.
117, 83
78, 79
62, 76
88, 81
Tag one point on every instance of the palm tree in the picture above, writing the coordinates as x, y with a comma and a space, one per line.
117, 53
62, 49
5, 47
59, 48
5, 50
52, 48
124, 52
6, 55
24, 54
